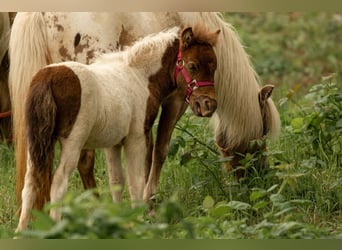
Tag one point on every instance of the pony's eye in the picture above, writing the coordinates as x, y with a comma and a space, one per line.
193, 67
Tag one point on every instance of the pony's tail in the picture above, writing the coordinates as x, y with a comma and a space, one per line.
40, 117
28, 53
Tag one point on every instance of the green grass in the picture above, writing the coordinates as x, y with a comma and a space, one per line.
300, 196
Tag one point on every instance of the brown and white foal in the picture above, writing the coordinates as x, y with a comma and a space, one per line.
112, 104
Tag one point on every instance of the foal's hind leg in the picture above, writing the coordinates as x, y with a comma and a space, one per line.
172, 109
86, 168
69, 158
116, 178
29, 194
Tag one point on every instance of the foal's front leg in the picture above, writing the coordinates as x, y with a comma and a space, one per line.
172, 110
116, 177
135, 154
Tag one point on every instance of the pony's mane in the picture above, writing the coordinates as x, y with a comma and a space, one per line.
236, 86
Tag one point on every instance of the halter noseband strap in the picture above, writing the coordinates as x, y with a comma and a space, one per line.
192, 84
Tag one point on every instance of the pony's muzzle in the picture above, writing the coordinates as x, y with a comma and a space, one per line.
204, 106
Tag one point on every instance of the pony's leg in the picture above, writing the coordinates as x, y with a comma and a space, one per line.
135, 155
148, 160
86, 168
28, 197
116, 178
172, 109
68, 163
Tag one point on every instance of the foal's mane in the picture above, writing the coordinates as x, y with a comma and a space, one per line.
150, 45
144, 49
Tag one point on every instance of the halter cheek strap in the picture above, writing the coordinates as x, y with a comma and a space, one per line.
192, 84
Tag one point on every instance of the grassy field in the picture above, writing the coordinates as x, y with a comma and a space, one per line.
300, 196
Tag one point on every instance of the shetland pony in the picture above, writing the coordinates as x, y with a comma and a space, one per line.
38, 39
111, 104
5, 103
254, 146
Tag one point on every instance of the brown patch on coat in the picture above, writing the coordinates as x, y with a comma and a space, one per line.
66, 91
125, 39
59, 27
82, 45
64, 53
160, 86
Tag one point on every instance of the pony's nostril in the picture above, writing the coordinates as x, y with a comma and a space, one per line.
197, 106
207, 104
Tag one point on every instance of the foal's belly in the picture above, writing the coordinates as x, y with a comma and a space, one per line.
105, 139
109, 133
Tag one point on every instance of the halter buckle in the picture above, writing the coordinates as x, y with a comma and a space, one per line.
193, 84
180, 63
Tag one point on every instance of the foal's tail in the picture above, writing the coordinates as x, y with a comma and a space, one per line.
28, 53
40, 118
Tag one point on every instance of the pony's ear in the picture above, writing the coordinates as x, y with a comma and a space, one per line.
186, 37
266, 92
212, 38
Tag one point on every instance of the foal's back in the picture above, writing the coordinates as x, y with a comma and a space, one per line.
113, 101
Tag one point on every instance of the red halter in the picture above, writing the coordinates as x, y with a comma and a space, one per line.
192, 84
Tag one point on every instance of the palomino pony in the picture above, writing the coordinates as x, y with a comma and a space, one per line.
38, 39
254, 146
123, 91
5, 103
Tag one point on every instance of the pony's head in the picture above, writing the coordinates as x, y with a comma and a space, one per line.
195, 69
267, 123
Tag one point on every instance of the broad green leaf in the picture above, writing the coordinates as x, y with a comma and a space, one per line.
238, 205
339, 124
256, 194
220, 210
297, 123
208, 202
260, 204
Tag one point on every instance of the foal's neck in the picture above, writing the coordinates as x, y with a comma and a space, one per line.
162, 83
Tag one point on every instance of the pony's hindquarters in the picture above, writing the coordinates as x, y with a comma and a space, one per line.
28, 53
